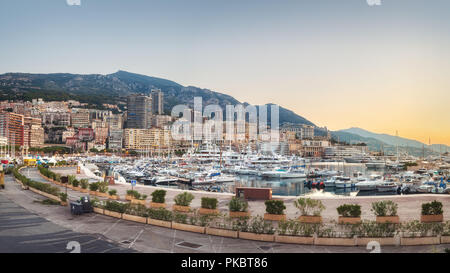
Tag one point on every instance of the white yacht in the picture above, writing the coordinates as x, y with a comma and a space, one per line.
367, 185
343, 182
386, 186
376, 164
282, 173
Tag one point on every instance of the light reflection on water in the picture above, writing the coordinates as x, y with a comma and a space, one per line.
295, 187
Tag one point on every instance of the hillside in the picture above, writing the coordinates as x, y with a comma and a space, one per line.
97, 89
388, 142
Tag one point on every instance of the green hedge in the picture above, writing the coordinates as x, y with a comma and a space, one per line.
44, 187
158, 196
275, 207
209, 203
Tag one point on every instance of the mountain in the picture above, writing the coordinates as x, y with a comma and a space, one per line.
97, 89
389, 142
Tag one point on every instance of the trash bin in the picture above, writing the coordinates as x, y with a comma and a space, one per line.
76, 208
86, 204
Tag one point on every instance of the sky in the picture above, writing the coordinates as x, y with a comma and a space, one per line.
338, 63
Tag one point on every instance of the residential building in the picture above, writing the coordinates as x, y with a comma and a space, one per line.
115, 139
12, 127
139, 111
80, 118
157, 102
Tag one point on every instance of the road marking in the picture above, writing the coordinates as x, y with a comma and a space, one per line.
173, 243
111, 227
139, 234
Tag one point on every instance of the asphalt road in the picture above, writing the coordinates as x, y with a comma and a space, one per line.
24, 232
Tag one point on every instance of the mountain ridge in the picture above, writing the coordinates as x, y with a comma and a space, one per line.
112, 88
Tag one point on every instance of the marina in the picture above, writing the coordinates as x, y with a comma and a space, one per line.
210, 170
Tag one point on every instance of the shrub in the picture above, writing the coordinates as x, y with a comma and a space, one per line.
137, 209
417, 228
349, 210
275, 207
141, 197
71, 178
94, 186
84, 183
112, 192
184, 199
238, 205
309, 207
432, 208
209, 203
158, 196
63, 196
75, 183
57, 177
371, 229
385, 208
296, 228
102, 187
133, 193
116, 206
259, 226
180, 218
160, 214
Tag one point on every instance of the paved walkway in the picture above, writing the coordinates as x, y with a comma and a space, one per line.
22, 231
147, 238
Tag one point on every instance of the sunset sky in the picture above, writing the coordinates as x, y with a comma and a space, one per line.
338, 63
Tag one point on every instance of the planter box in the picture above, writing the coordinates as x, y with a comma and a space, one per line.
94, 193
322, 241
84, 190
129, 197
203, 211
56, 198
222, 232
388, 219
102, 194
134, 218
388, 241
294, 240
113, 214
154, 205
76, 188
257, 237
98, 210
113, 197
70, 186
136, 201
159, 223
445, 239
190, 228
310, 219
349, 220
239, 214
431, 218
274, 217
419, 241
181, 208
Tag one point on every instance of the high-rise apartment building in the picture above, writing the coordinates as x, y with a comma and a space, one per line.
12, 127
157, 102
33, 132
139, 111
